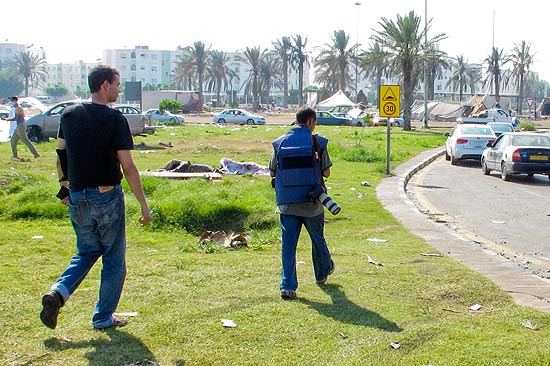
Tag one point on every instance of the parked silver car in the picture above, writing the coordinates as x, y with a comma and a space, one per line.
239, 116
518, 153
166, 116
45, 125
467, 141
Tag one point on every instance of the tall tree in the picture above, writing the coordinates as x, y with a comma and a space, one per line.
185, 72
496, 76
473, 76
29, 69
299, 59
220, 73
522, 60
253, 58
375, 62
459, 78
270, 74
333, 63
404, 41
438, 63
283, 49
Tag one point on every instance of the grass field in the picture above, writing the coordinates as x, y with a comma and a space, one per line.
181, 290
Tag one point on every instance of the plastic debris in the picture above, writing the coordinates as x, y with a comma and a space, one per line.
38, 237
529, 324
365, 184
343, 335
228, 323
230, 240
395, 345
498, 222
377, 240
130, 313
475, 307
371, 261
431, 254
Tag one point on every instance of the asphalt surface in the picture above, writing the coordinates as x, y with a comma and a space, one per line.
479, 255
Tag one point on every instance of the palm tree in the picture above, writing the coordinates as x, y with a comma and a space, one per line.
473, 76
270, 74
438, 62
283, 48
522, 59
298, 59
458, 79
403, 40
220, 73
30, 69
495, 75
375, 62
184, 74
334, 63
254, 59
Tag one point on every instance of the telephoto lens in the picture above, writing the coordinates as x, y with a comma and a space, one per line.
329, 203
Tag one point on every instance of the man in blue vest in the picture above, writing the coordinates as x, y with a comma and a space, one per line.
299, 163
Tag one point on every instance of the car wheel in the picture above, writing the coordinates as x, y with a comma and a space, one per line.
35, 134
454, 161
359, 124
486, 170
250, 121
447, 157
504, 172
221, 120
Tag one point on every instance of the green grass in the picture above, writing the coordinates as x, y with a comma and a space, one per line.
181, 290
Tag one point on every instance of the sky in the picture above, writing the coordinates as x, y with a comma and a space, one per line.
70, 31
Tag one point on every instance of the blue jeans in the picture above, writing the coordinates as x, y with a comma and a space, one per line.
99, 223
291, 227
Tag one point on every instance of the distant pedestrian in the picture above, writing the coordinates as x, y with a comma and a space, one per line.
94, 142
20, 132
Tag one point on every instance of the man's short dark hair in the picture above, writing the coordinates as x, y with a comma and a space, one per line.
304, 114
98, 75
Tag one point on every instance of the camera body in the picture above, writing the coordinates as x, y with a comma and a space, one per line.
320, 193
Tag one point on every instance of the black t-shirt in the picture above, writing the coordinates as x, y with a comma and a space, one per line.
93, 134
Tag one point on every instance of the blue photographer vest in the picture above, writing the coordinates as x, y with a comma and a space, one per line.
298, 165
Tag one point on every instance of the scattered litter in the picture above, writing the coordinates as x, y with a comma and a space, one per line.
38, 237
395, 345
361, 195
300, 262
498, 222
475, 307
373, 262
529, 324
343, 335
227, 323
166, 144
365, 184
219, 237
431, 254
377, 240
130, 313
64, 339
352, 188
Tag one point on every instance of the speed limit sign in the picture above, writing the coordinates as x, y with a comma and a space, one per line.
389, 100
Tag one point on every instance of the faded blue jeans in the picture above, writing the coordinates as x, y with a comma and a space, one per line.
291, 227
99, 223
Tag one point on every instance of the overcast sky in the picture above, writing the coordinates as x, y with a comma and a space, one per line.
70, 31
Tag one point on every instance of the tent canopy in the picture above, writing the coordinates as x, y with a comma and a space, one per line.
338, 99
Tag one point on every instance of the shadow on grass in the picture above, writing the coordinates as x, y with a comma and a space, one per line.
343, 310
121, 349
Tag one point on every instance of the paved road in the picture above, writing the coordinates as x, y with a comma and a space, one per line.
469, 249
512, 217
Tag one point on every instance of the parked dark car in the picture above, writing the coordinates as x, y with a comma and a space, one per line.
327, 118
518, 153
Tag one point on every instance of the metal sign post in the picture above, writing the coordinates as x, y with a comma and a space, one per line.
389, 107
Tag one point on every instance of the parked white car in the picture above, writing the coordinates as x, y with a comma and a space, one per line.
239, 116
467, 141
155, 115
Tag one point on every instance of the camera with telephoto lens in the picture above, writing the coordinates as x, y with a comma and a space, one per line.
320, 192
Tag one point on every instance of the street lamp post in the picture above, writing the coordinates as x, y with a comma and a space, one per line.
356, 61
426, 114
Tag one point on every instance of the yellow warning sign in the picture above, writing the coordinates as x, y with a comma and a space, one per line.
389, 100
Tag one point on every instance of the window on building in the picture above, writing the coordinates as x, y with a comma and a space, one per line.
153, 56
123, 55
142, 68
133, 55
154, 68
133, 67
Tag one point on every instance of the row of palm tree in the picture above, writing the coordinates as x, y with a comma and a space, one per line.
399, 50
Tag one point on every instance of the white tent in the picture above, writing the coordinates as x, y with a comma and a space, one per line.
339, 99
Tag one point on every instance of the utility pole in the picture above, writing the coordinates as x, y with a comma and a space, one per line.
356, 46
426, 114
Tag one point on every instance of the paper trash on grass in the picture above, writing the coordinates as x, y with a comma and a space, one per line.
300, 262
372, 261
342, 334
377, 240
219, 237
498, 222
128, 313
228, 323
431, 254
395, 345
529, 324
475, 307
38, 237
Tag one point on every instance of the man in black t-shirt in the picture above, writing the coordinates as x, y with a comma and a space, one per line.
94, 142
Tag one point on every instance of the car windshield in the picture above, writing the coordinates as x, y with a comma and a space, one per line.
531, 140
477, 131
502, 127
